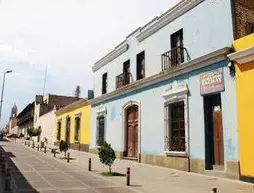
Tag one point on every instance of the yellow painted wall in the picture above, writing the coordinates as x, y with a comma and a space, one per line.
84, 123
245, 106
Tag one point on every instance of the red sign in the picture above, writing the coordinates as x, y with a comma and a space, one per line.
212, 81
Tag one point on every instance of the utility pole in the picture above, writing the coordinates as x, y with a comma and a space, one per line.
2, 94
45, 78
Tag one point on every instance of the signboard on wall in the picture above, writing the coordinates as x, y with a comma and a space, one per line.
211, 82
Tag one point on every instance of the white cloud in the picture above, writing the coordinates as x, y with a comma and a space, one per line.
68, 36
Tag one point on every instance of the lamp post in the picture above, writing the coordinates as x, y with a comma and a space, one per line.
2, 94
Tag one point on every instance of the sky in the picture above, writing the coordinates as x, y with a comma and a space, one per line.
65, 36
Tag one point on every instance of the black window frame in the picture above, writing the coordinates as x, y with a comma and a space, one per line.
140, 57
59, 126
100, 134
104, 83
176, 126
77, 129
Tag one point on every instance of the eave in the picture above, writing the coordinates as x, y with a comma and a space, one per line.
166, 18
72, 106
243, 56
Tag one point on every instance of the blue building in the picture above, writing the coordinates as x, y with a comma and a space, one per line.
165, 96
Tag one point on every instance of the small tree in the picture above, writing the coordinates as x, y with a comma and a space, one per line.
33, 132
107, 155
77, 92
63, 146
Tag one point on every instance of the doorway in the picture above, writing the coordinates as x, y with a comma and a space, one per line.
214, 147
126, 72
67, 134
177, 54
131, 133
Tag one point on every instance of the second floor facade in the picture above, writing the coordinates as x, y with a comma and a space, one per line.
189, 30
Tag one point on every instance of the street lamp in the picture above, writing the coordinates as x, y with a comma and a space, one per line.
1, 102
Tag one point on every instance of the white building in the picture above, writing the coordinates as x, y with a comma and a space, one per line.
44, 113
157, 92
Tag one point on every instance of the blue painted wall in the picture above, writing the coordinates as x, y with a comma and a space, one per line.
152, 116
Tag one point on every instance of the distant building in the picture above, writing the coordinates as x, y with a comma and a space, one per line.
25, 119
45, 107
73, 125
12, 125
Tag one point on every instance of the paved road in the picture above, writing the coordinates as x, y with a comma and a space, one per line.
34, 172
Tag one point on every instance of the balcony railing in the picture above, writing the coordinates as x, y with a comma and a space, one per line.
174, 57
122, 80
27, 117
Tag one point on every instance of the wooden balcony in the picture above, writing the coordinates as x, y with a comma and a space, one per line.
122, 80
174, 57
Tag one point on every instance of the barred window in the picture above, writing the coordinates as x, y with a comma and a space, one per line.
175, 140
59, 125
77, 129
100, 130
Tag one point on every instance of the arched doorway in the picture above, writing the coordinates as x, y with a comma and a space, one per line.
67, 132
131, 133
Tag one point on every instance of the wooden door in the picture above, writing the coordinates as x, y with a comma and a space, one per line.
218, 136
67, 136
132, 131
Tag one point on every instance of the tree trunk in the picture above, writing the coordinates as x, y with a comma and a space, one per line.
109, 169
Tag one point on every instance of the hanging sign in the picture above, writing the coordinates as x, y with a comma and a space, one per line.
211, 82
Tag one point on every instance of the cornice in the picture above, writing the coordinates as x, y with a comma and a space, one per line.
243, 56
186, 67
72, 106
167, 18
119, 50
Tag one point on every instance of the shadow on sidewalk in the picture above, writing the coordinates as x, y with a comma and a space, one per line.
18, 181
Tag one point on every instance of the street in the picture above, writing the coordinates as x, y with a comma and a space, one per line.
34, 172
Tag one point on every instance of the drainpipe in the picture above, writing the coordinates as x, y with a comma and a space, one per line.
139, 156
188, 156
188, 152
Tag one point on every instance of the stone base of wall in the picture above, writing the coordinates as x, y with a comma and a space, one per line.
233, 170
197, 166
119, 155
80, 147
249, 179
179, 163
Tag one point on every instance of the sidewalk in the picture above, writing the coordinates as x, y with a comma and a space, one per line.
154, 179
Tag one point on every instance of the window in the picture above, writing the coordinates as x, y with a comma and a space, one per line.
104, 83
100, 130
177, 50
77, 129
141, 65
126, 72
58, 136
176, 126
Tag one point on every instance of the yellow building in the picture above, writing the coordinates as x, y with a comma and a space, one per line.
243, 57
73, 125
